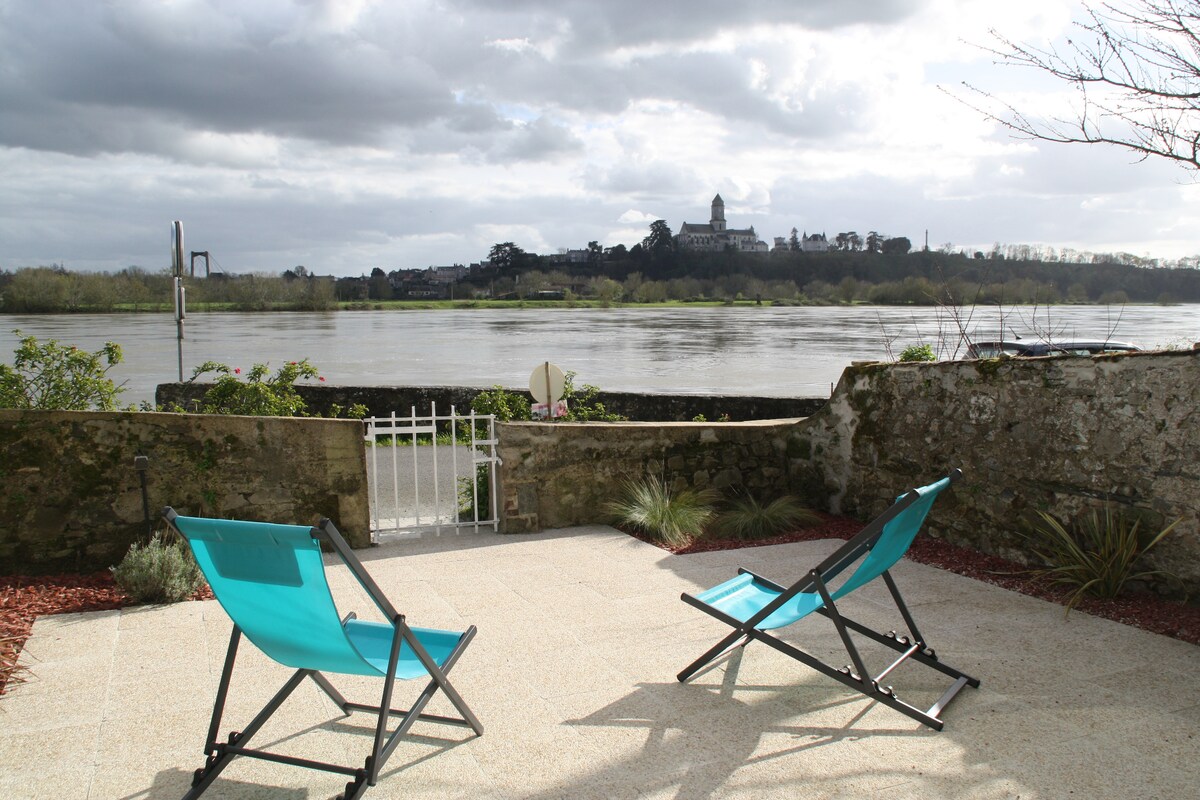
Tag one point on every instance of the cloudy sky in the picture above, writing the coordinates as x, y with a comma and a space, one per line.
349, 134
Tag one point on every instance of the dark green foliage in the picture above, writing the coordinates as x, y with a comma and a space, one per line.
1095, 555
749, 519
260, 394
51, 376
158, 572
658, 270
582, 405
506, 406
475, 493
918, 352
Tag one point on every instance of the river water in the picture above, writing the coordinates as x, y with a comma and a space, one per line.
794, 351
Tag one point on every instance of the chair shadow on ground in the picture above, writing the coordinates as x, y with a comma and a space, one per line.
176, 782
699, 757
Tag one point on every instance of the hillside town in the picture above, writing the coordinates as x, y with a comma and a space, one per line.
715, 236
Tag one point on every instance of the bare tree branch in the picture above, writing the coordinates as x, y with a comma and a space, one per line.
1135, 68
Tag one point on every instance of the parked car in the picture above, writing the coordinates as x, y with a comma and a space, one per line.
1040, 348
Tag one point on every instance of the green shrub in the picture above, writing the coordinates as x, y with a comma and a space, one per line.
263, 395
582, 405
749, 519
674, 518
158, 572
505, 405
470, 489
51, 376
1095, 556
918, 352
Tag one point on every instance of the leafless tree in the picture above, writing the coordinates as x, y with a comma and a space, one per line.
1136, 69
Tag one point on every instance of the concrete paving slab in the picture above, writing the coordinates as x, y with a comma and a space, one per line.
581, 633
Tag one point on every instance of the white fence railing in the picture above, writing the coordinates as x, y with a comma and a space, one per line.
431, 471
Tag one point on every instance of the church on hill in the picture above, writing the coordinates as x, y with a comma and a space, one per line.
715, 236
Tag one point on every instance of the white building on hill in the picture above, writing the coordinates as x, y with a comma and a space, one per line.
715, 236
817, 243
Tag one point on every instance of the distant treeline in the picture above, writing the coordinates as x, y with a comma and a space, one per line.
917, 278
37, 290
782, 277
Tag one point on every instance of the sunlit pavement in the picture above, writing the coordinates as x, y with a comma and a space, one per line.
581, 633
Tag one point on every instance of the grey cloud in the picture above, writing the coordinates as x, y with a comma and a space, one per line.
99, 73
592, 25
535, 141
130, 77
643, 183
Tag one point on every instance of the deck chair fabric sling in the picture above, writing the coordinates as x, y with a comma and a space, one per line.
753, 605
271, 581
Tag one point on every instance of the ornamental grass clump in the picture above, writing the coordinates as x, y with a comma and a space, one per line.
158, 572
672, 517
749, 519
1096, 556
10, 653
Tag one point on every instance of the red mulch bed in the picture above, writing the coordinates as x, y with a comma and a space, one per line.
23, 598
1144, 610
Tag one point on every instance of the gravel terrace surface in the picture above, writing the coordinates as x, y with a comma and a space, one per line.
23, 597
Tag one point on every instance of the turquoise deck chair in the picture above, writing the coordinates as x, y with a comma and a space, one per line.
271, 581
753, 605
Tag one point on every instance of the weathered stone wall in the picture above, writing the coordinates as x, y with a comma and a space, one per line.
1053, 434
71, 497
383, 400
565, 474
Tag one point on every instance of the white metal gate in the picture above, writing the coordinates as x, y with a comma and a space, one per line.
431, 471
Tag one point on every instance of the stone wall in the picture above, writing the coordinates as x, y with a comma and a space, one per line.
72, 498
383, 400
1053, 434
562, 474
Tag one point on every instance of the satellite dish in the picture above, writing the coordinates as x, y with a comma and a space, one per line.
547, 383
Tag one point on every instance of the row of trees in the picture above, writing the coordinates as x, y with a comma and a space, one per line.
781, 276
638, 288
1077, 281
38, 290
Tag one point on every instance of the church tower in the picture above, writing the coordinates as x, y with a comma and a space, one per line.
718, 215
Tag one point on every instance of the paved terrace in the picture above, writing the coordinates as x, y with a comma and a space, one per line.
581, 633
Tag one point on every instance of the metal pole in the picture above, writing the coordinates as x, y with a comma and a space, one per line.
177, 270
179, 323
